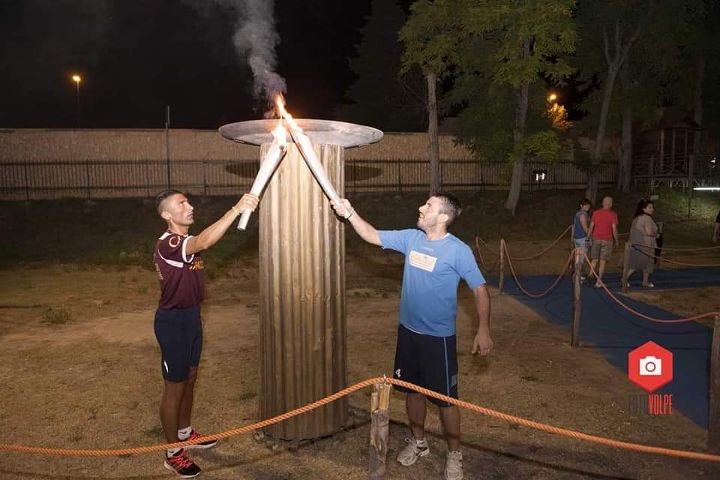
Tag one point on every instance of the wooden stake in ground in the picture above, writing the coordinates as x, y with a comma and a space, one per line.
714, 417
379, 430
626, 266
577, 303
501, 281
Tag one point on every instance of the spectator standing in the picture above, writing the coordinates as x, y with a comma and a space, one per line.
581, 226
603, 231
643, 242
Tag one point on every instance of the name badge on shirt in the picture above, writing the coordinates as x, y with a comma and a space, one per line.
422, 261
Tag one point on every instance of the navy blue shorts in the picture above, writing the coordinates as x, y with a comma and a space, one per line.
427, 361
180, 335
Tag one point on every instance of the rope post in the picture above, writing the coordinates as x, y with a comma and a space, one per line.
577, 302
501, 282
477, 247
626, 266
714, 416
379, 430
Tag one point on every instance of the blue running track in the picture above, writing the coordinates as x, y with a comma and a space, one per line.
615, 332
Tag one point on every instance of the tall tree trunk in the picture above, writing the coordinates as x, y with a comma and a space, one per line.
434, 147
697, 116
615, 62
519, 157
625, 160
608, 86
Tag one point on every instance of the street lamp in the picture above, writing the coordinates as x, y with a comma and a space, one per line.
552, 97
77, 79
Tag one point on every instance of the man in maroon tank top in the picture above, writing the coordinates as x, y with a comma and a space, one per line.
178, 327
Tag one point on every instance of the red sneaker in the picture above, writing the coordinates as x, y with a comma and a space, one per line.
194, 436
182, 466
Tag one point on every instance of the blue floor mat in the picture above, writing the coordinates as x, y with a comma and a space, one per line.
614, 331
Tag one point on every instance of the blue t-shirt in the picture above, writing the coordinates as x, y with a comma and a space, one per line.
433, 269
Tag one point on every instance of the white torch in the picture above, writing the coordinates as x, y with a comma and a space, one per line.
275, 153
308, 152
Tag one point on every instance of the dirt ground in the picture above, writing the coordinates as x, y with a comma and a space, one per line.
80, 369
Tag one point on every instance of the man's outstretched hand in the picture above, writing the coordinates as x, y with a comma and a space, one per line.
343, 208
247, 202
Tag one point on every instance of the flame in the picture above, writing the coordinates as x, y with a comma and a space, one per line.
280, 106
279, 133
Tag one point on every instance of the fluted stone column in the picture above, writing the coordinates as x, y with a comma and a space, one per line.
302, 297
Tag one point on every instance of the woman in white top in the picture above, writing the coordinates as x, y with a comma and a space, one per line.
643, 238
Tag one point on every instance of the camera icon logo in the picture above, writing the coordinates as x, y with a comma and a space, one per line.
650, 365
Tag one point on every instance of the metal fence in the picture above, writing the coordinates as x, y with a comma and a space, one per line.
144, 178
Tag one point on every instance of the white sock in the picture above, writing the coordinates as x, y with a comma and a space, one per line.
184, 433
172, 451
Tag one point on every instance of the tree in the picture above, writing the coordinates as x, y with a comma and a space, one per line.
497, 54
646, 80
430, 39
381, 96
702, 62
611, 29
656, 54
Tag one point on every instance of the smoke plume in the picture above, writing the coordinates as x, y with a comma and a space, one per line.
255, 40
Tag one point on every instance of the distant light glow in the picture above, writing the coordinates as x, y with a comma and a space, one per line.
707, 189
539, 175
76, 78
552, 97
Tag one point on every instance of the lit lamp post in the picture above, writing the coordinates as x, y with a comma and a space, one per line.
77, 79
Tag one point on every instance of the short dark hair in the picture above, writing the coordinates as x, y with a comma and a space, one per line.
641, 206
450, 205
160, 198
585, 201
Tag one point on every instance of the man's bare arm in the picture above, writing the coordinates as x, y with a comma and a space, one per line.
212, 234
615, 234
366, 231
482, 342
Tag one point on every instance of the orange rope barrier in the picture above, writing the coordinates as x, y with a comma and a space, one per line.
665, 259
482, 260
690, 249
642, 315
462, 404
484, 244
554, 284
537, 255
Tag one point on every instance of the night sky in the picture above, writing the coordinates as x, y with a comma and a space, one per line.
136, 56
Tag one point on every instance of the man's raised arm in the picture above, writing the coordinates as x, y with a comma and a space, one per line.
366, 231
212, 234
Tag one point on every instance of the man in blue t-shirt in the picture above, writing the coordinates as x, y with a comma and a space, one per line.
435, 262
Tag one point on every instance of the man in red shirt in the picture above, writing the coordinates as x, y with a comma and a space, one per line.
603, 231
178, 327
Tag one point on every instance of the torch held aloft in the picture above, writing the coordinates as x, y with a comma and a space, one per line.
272, 159
312, 161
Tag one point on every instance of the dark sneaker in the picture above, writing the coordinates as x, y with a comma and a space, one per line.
182, 466
194, 436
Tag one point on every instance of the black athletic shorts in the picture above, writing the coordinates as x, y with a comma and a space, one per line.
180, 335
427, 361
